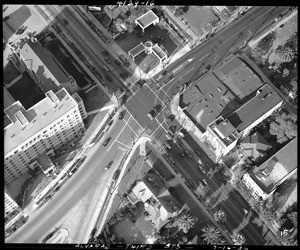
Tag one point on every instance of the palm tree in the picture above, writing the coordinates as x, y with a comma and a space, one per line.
184, 222
238, 239
286, 53
212, 235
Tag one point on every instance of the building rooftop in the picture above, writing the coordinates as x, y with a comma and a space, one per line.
38, 116
45, 162
254, 108
255, 145
137, 50
45, 66
159, 52
239, 77
147, 19
276, 168
7, 98
206, 99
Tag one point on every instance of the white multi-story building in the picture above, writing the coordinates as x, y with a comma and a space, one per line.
44, 127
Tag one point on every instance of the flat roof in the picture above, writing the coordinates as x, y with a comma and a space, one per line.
206, 99
239, 77
279, 166
254, 108
45, 66
39, 116
159, 52
137, 50
147, 19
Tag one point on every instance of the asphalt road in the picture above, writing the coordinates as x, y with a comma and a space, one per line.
75, 205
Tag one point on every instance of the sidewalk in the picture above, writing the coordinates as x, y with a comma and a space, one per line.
254, 41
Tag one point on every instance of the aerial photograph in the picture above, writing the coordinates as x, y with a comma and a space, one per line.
146, 125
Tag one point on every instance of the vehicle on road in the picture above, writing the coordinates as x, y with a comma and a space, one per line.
108, 165
204, 181
159, 78
107, 60
189, 154
111, 122
168, 145
198, 153
190, 184
278, 18
121, 115
106, 141
202, 169
116, 175
201, 184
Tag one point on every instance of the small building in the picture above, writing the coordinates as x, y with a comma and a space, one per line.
264, 179
146, 20
46, 165
255, 146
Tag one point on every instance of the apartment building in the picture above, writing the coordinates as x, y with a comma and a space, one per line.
41, 129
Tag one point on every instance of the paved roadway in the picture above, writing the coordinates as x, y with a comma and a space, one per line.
80, 197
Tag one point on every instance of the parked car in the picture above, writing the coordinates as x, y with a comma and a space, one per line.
168, 145
202, 169
278, 18
116, 175
201, 184
106, 141
204, 181
190, 184
121, 115
108, 165
281, 26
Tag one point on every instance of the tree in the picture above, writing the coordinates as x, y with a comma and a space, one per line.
292, 42
184, 222
220, 216
284, 127
184, 9
229, 161
212, 235
285, 72
293, 216
238, 239
286, 53
257, 53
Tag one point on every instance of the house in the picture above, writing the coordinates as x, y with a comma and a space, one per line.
255, 146
264, 179
158, 201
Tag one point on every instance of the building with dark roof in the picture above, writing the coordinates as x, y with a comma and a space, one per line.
239, 77
264, 179
207, 99
45, 69
263, 104
255, 146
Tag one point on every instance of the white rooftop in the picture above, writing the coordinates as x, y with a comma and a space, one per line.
38, 116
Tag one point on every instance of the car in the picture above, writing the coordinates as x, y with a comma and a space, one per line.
116, 175
106, 141
278, 18
198, 152
117, 63
189, 154
204, 181
281, 26
108, 165
201, 184
105, 52
111, 122
202, 169
190, 184
107, 60
121, 115
168, 145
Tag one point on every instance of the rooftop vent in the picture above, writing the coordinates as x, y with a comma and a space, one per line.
21, 117
258, 91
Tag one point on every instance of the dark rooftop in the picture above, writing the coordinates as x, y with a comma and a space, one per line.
239, 77
254, 108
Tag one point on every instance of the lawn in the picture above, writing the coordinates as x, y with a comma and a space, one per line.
26, 91
157, 34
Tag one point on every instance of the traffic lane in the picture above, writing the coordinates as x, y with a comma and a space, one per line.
81, 41
87, 178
